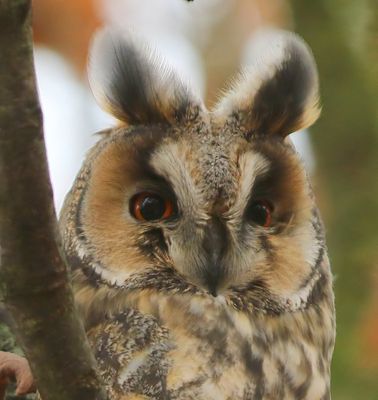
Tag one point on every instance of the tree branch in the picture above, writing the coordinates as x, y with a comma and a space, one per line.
32, 273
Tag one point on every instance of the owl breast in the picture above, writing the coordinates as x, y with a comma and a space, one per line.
185, 347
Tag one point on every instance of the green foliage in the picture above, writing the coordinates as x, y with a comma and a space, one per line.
346, 141
7, 340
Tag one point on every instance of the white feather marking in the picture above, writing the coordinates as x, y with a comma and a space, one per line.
169, 161
114, 278
298, 300
251, 165
137, 361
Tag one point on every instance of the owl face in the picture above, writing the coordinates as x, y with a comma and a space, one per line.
219, 198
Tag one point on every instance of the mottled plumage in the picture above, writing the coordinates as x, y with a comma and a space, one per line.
227, 295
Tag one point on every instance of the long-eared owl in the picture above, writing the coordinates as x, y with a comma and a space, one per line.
197, 252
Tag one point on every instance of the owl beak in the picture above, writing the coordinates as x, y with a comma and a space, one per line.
214, 246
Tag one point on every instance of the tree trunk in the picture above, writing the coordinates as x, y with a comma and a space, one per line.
33, 274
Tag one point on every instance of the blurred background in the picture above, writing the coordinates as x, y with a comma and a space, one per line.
207, 41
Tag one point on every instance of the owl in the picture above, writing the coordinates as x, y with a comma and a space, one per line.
198, 256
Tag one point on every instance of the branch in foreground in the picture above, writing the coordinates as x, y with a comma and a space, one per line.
32, 273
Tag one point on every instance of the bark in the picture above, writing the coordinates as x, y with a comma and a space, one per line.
33, 274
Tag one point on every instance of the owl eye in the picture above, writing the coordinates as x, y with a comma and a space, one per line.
260, 213
148, 206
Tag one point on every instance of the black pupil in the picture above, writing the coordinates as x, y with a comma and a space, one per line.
152, 207
258, 213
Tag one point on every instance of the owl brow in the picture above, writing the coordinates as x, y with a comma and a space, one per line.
262, 187
142, 141
272, 181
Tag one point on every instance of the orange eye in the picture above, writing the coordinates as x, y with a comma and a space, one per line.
260, 213
148, 206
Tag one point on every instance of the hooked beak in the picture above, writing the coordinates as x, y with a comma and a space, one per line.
214, 246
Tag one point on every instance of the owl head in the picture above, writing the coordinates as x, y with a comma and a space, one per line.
177, 198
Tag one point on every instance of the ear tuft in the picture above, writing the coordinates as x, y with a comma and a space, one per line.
278, 93
134, 84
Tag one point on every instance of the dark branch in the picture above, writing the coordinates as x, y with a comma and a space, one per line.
32, 273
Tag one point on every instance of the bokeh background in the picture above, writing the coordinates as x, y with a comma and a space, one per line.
208, 40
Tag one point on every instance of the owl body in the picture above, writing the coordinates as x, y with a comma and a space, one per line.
212, 352
197, 252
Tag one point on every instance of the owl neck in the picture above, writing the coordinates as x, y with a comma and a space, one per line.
103, 294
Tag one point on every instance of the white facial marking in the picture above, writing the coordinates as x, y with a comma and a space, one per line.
251, 166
